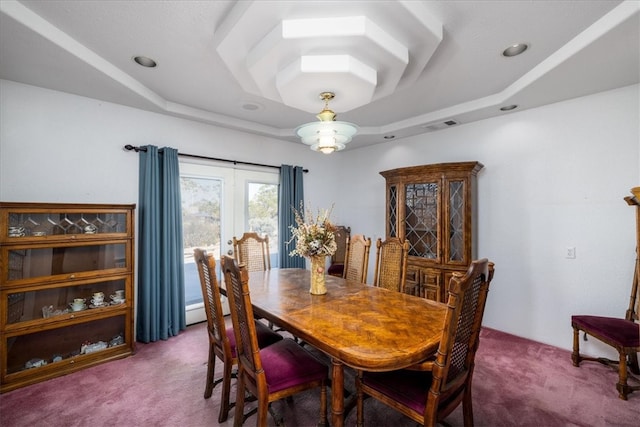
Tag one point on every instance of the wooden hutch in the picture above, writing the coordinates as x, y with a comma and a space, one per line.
434, 208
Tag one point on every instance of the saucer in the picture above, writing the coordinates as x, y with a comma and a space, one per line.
103, 304
117, 301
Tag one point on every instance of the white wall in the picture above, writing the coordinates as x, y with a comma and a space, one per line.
554, 177
56, 147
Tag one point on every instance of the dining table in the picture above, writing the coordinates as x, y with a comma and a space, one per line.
357, 325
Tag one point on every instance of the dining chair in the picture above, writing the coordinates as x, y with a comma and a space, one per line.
336, 267
356, 261
428, 392
274, 372
222, 341
391, 263
623, 334
252, 251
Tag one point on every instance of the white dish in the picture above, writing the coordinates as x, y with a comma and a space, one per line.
117, 301
104, 304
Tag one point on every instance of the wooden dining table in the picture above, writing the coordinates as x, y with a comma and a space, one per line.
361, 326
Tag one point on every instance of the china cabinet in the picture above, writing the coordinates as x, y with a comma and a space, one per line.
434, 208
66, 288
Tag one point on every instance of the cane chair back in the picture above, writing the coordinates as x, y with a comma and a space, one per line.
430, 395
342, 234
274, 372
252, 251
621, 334
221, 338
357, 259
391, 264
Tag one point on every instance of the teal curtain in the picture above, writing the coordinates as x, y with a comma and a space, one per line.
161, 301
291, 196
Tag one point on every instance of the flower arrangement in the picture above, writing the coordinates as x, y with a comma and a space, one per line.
314, 235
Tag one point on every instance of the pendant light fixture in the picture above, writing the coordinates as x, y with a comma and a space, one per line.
327, 135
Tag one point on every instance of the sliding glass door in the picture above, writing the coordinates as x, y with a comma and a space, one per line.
217, 204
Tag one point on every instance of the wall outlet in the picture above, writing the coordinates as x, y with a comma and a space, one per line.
571, 252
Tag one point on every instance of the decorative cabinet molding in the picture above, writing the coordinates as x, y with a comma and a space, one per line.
52, 254
434, 208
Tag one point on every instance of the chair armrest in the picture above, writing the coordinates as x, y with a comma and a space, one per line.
426, 365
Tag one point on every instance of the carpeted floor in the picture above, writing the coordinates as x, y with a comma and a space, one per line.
517, 383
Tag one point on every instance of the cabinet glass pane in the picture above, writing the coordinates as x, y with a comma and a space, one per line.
52, 302
57, 223
456, 221
42, 348
393, 211
421, 219
50, 261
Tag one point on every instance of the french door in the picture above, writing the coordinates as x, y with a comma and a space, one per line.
217, 204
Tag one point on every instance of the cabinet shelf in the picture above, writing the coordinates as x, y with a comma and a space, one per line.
51, 255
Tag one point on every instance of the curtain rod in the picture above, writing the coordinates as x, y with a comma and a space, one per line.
130, 147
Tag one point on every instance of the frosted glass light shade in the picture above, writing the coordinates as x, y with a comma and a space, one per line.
327, 136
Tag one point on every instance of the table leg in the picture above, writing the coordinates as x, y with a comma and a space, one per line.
337, 393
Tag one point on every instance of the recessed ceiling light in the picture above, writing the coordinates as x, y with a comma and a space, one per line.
251, 106
144, 61
508, 107
515, 49
389, 136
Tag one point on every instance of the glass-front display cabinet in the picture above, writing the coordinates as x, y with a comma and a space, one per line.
434, 208
66, 288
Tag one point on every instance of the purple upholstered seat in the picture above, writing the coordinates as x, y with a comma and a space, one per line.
336, 270
406, 387
266, 337
286, 364
622, 332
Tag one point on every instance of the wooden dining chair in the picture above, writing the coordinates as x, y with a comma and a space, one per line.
271, 373
623, 334
336, 267
391, 264
252, 251
427, 393
222, 341
356, 262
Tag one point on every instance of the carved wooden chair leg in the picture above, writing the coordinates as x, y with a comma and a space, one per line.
633, 363
211, 366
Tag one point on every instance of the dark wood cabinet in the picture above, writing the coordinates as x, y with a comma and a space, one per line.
50, 256
434, 208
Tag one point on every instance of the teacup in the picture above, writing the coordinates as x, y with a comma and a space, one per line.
98, 295
97, 302
16, 231
77, 304
90, 229
119, 294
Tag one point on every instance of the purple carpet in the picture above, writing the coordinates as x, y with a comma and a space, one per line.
517, 382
